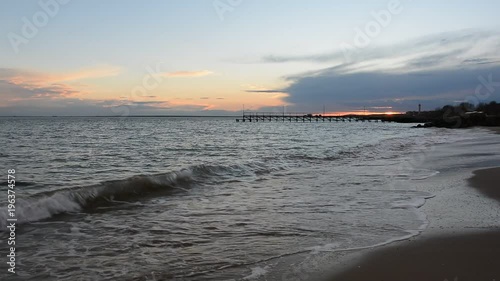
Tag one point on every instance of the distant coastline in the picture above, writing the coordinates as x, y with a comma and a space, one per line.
117, 116
464, 115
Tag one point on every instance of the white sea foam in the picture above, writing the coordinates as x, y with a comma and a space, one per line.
256, 273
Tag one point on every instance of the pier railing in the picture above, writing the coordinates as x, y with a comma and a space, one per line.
302, 117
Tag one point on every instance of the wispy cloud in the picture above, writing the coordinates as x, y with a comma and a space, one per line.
77, 107
264, 91
443, 50
18, 76
259, 89
53, 85
186, 74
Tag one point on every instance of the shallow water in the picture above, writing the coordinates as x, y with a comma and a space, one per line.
204, 198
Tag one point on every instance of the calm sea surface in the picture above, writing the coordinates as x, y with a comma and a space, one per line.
202, 198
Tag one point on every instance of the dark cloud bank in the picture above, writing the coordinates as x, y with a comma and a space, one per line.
400, 90
435, 70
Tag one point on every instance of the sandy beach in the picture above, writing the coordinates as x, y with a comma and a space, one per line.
471, 257
459, 254
487, 181
494, 129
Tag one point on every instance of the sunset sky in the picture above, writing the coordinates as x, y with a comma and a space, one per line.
211, 57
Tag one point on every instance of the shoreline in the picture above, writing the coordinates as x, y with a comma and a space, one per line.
455, 212
486, 181
461, 242
494, 129
469, 256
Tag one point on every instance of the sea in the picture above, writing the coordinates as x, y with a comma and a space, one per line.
205, 198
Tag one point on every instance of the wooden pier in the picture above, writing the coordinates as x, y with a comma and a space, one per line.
304, 117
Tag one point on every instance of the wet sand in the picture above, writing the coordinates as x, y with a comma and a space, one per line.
488, 182
473, 256
495, 129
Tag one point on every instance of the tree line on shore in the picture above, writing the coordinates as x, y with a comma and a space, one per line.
463, 115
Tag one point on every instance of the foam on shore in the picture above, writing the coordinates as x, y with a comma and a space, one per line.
461, 239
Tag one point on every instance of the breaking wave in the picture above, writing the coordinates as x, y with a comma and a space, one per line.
87, 198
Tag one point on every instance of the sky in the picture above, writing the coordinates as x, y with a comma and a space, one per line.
218, 57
